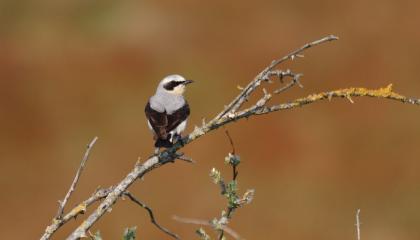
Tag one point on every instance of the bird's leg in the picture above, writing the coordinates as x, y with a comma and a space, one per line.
175, 138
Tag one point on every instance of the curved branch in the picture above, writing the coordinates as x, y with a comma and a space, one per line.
151, 215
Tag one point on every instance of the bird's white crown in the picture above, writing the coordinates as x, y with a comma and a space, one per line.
172, 78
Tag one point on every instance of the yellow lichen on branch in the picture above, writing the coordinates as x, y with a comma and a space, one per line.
385, 92
81, 208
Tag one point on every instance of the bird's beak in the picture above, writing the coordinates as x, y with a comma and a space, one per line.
188, 82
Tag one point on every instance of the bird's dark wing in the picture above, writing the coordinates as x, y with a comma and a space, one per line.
158, 120
178, 117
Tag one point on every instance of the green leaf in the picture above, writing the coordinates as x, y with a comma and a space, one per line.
130, 233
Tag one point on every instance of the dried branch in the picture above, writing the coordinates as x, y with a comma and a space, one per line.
265, 75
79, 209
358, 224
63, 203
347, 93
229, 114
152, 217
139, 171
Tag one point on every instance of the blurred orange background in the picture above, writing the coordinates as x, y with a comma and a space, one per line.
72, 70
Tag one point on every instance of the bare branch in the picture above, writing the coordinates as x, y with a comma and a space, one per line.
139, 171
263, 75
152, 218
385, 92
63, 203
79, 209
227, 229
358, 224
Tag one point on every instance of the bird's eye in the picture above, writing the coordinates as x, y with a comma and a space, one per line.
171, 85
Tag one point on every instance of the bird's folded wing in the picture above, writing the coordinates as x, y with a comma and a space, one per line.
178, 117
158, 121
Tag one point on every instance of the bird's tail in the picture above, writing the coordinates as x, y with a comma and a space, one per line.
166, 143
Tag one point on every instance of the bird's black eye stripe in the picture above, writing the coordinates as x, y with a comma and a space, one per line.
171, 85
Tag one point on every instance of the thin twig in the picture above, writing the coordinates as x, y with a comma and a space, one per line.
63, 203
243, 96
358, 223
295, 81
231, 141
152, 218
227, 229
182, 157
234, 171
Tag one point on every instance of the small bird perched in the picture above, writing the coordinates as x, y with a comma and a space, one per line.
167, 111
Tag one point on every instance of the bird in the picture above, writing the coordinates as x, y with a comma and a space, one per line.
167, 111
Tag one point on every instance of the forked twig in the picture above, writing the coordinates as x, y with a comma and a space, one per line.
63, 203
79, 209
263, 75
